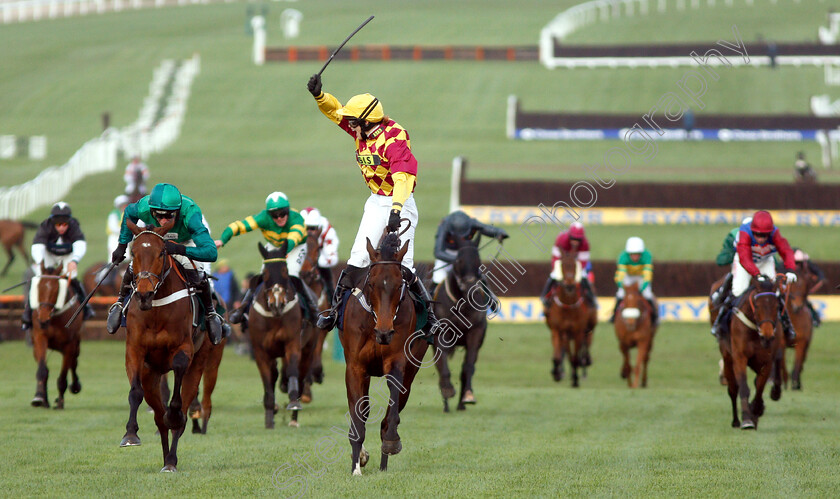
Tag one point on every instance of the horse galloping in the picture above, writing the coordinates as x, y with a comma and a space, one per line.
797, 306
11, 237
570, 319
462, 285
49, 297
160, 337
754, 340
276, 328
379, 339
310, 274
635, 329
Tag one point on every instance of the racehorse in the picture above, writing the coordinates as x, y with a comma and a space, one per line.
800, 317
311, 276
160, 337
111, 285
11, 237
754, 340
379, 339
54, 301
570, 319
462, 285
276, 328
634, 329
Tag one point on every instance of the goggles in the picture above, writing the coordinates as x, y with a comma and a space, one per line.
354, 122
282, 212
761, 234
163, 214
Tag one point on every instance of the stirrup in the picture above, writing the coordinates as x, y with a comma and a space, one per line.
327, 319
112, 324
239, 314
213, 323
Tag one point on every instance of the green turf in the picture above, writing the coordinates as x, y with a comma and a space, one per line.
526, 437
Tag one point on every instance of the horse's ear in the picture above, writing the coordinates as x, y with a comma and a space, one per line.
133, 227
374, 255
163, 229
402, 251
263, 251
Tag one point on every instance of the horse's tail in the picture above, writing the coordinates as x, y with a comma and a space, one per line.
28, 225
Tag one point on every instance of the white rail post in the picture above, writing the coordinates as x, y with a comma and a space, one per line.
458, 164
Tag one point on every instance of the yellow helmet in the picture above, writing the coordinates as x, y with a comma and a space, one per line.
365, 107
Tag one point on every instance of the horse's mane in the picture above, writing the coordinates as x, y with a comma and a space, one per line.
765, 286
390, 246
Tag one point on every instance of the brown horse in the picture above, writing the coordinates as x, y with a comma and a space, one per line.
379, 339
11, 237
276, 328
800, 317
311, 276
754, 340
462, 286
54, 301
160, 337
634, 329
570, 319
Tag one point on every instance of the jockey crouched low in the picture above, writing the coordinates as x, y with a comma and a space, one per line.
282, 228
58, 242
635, 265
189, 243
755, 245
571, 241
454, 229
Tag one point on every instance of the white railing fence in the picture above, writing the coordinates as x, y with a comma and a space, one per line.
36, 10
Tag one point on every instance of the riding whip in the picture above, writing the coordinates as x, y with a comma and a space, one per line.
87, 298
342, 44
15, 286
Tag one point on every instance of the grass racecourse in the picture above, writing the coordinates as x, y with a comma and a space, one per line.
527, 436
251, 130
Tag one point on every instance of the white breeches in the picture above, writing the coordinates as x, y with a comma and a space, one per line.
441, 269
51, 260
374, 220
630, 279
741, 278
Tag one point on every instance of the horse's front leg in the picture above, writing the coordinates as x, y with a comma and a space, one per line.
390, 437
625, 366
76, 385
447, 391
150, 382
776, 373
133, 366
800, 352
292, 370
39, 351
268, 373
174, 416
739, 369
731, 387
574, 358
761, 378
358, 384
557, 359
188, 393
468, 368
62, 376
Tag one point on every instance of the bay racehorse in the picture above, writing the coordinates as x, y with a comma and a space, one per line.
160, 337
462, 295
379, 339
570, 319
635, 329
53, 303
754, 341
310, 274
797, 308
11, 237
276, 328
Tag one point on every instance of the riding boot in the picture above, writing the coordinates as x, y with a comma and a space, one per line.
723, 291
307, 296
327, 276
346, 281
115, 313
549, 283
787, 326
241, 312
415, 285
587, 293
26, 317
815, 316
615, 309
212, 320
81, 295
722, 310
654, 310
226, 329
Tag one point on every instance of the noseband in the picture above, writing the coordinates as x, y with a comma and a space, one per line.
752, 306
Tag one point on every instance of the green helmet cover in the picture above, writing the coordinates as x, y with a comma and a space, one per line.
165, 197
276, 201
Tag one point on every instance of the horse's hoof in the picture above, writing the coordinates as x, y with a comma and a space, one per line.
59, 404
461, 407
391, 447
736, 423
306, 399
747, 425
722, 380
39, 401
294, 405
557, 376
276, 408
469, 398
130, 441
284, 386
776, 392
447, 391
75, 388
195, 415
364, 457
168, 469
294, 424
357, 471
795, 385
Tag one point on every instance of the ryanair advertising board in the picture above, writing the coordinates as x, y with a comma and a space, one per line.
517, 215
688, 309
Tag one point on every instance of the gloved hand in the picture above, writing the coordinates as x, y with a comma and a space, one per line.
394, 221
502, 235
791, 277
174, 248
762, 278
314, 85
119, 254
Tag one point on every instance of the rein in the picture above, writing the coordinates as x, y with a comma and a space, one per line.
365, 303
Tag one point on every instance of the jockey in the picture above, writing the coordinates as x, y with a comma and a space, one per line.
282, 228
571, 241
726, 257
635, 265
756, 244
383, 153
136, 171
803, 263
327, 242
115, 223
188, 242
58, 242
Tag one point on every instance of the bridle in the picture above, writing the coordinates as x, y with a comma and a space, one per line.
48, 305
280, 308
158, 278
402, 287
753, 296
